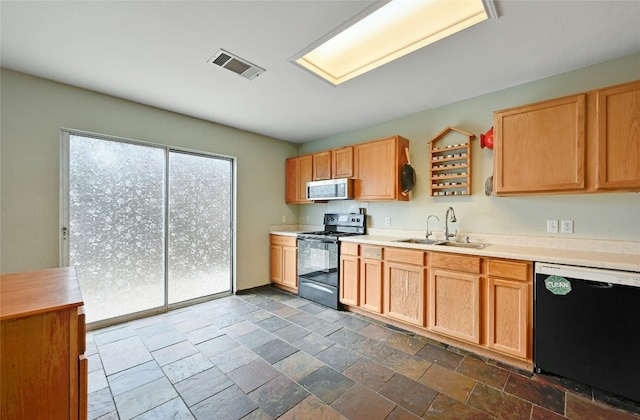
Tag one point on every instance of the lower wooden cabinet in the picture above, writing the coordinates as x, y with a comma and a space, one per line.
481, 304
404, 285
44, 370
349, 274
455, 295
509, 308
371, 278
284, 261
455, 304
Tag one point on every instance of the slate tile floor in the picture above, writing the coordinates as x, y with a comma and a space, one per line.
266, 354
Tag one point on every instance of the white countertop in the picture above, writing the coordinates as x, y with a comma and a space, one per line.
607, 254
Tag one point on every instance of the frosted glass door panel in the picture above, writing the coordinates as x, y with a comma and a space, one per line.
200, 240
116, 225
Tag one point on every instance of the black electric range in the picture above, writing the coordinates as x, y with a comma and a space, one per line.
319, 257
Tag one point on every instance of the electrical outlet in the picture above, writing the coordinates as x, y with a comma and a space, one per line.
387, 221
307, 219
552, 226
284, 218
566, 226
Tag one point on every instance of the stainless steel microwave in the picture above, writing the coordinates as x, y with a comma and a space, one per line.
331, 189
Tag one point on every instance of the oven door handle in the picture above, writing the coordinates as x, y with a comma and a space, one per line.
319, 241
315, 286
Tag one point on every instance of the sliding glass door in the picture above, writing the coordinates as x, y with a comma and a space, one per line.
199, 226
145, 226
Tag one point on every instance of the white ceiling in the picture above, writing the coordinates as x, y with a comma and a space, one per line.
156, 52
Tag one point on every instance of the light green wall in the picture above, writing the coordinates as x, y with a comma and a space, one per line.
34, 110
598, 216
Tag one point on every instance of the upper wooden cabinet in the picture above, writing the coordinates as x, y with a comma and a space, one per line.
322, 165
299, 171
342, 162
618, 137
541, 147
378, 166
583, 143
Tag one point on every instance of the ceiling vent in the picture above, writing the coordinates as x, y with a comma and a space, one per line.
236, 64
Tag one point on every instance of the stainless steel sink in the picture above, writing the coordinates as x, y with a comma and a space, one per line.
421, 241
473, 245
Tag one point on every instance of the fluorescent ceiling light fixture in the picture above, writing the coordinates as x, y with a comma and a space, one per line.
392, 31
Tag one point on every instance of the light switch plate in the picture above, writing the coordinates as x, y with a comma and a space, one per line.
552, 226
566, 226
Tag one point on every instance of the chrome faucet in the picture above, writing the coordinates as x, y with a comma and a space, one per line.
429, 233
453, 219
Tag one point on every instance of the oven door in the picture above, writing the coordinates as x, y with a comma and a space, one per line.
318, 260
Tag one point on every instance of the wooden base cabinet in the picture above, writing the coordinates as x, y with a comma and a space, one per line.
404, 285
454, 296
481, 304
371, 278
455, 304
509, 308
44, 370
284, 262
349, 274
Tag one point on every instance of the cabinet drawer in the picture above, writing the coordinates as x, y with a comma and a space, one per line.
467, 264
403, 255
371, 252
517, 270
283, 240
348, 248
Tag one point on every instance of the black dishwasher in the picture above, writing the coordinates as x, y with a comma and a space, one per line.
587, 326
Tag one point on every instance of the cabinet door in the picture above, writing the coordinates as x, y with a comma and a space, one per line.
378, 167
342, 162
305, 174
276, 268
290, 266
291, 176
507, 316
618, 137
404, 292
298, 173
322, 165
454, 302
371, 284
540, 148
349, 284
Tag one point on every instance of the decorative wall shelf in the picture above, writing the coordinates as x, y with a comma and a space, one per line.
450, 165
